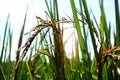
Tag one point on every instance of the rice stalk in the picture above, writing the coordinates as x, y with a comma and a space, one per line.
27, 45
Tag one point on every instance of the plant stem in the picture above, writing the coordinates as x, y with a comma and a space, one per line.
59, 55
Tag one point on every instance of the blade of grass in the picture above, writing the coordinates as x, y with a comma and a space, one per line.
9, 62
95, 20
83, 46
57, 14
48, 7
90, 28
6, 48
77, 61
77, 25
3, 45
29, 71
21, 36
117, 23
2, 74
19, 44
10, 44
104, 25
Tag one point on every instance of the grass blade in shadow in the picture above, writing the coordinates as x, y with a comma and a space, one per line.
2, 52
117, 22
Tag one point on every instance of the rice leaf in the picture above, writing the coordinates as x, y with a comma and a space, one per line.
117, 16
29, 71
90, 28
4, 38
77, 25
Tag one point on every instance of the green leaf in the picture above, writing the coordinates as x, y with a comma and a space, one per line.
77, 25
117, 14
90, 28
29, 71
4, 38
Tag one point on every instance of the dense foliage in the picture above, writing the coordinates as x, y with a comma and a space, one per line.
47, 60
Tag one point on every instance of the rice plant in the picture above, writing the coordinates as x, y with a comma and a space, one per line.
48, 60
